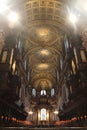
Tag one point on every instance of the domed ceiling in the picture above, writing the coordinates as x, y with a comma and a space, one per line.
43, 35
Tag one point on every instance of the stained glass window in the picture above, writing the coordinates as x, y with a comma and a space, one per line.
33, 92
43, 114
52, 91
43, 92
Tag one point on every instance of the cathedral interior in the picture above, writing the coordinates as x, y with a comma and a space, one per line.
43, 63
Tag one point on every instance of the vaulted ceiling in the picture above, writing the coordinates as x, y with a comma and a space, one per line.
45, 26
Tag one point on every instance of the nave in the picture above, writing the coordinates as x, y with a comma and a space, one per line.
43, 64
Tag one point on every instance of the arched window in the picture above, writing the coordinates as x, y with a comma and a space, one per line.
57, 76
43, 114
4, 57
52, 91
25, 63
20, 46
66, 44
61, 62
43, 92
28, 77
33, 92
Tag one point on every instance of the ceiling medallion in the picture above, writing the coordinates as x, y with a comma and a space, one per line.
42, 66
43, 34
44, 52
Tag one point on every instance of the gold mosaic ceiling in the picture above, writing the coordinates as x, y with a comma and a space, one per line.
45, 24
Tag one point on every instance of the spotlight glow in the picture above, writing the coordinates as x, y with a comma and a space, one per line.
73, 18
13, 17
30, 112
56, 112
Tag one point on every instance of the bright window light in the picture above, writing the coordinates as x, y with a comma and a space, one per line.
73, 18
43, 114
13, 17
3, 6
